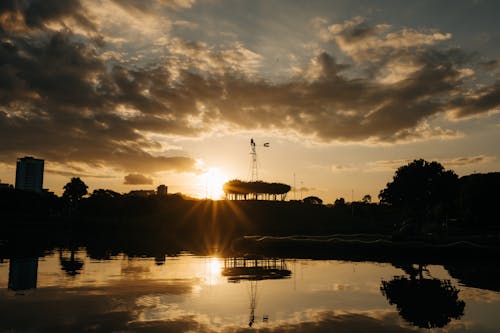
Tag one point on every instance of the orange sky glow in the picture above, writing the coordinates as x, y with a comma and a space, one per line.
130, 94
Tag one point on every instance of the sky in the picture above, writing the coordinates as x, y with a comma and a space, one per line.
130, 94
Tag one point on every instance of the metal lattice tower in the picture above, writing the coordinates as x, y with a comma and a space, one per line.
253, 154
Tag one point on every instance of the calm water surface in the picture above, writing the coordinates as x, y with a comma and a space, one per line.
68, 291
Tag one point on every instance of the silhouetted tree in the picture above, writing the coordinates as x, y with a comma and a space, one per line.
479, 198
237, 189
340, 202
426, 303
313, 200
104, 194
72, 265
75, 190
105, 202
422, 189
367, 198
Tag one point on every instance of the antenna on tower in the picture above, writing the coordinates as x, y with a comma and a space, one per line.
253, 153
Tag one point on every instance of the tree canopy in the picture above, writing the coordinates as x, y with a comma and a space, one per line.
367, 198
313, 200
104, 194
75, 190
238, 189
421, 186
339, 202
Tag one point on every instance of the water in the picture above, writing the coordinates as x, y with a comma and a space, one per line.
68, 291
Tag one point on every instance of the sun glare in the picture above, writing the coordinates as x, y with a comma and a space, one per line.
213, 269
212, 181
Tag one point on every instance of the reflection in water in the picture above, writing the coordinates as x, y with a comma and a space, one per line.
425, 303
208, 295
483, 275
23, 273
72, 265
160, 259
254, 269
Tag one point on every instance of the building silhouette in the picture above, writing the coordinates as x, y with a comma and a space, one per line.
162, 190
29, 174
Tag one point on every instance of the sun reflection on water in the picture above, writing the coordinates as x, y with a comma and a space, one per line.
213, 270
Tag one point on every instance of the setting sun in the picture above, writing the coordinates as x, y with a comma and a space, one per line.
212, 181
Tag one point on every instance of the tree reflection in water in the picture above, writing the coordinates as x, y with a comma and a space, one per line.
479, 274
72, 265
423, 302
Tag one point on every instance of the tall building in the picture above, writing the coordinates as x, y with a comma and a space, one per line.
162, 190
29, 174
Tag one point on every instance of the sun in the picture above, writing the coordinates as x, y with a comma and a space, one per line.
212, 181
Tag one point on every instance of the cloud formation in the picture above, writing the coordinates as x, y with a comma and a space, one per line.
364, 42
137, 179
149, 5
76, 97
456, 162
37, 14
467, 161
59, 100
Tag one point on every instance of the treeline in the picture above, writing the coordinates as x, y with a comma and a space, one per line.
240, 190
422, 197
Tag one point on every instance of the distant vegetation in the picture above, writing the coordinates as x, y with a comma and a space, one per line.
240, 190
312, 200
422, 200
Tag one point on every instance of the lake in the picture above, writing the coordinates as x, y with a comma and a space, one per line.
67, 290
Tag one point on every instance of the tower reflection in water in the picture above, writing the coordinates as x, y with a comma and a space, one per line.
23, 273
253, 269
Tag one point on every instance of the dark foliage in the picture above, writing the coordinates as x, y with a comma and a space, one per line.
238, 189
26, 204
424, 190
339, 202
313, 200
75, 190
479, 197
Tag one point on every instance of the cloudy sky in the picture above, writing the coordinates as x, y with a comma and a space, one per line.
130, 94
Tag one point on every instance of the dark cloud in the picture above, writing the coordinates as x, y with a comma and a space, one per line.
456, 162
481, 101
491, 65
76, 174
38, 13
61, 100
150, 5
467, 161
334, 107
137, 179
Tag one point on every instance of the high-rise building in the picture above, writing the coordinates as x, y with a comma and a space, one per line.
29, 174
162, 190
